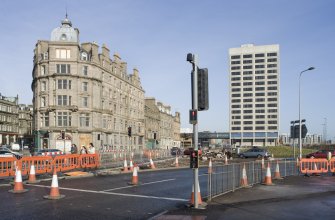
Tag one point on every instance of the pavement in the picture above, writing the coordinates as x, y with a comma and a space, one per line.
295, 197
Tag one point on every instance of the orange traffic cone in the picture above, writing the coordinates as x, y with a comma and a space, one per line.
54, 192
315, 168
277, 173
131, 166
32, 175
125, 166
177, 163
267, 179
244, 179
210, 170
18, 185
152, 165
134, 180
199, 196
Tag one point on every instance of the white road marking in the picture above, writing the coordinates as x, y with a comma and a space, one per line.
116, 194
107, 190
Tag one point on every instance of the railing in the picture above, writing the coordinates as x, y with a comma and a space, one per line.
227, 178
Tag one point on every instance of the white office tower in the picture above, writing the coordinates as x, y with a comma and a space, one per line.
254, 95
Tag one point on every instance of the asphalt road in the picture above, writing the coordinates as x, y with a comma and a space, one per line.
103, 197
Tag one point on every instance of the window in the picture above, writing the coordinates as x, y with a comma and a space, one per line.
272, 77
235, 62
259, 111
235, 67
272, 116
247, 128
272, 127
247, 78
235, 89
235, 128
247, 95
272, 122
260, 105
260, 122
272, 54
259, 72
84, 86
260, 83
247, 56
236, 123
236, 112
260, 128
272, 110
259, 77
235, 117
259, 66
235, 78
247, 122
63, 68
235, 100
247, 100
272, 65
247, 106
247, 111
260, 88
272, 105
260, 116
85, 70
235, 57
43, 72
272, 88
272, 94
260, 94
247, 83
247, 89
63, 119
236, 106
43, 102
260, 100
259, 55
247, 61
247, 72
63, 53
63, 100
272, 71
272, 82
45, 119
247, 67
247, 117
235, 84
236, 95
84, 120
85, 102
272, 60
235, 73
84, 56
63, 84
259, 61
43, 86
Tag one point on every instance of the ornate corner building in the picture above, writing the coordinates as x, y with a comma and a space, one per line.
84, 93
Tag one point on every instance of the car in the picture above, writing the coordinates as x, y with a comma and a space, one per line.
320, 154
189, 150
175, 151
48, 152
255, 152
15, 146
5, 152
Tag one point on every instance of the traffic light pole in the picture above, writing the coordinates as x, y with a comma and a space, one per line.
195, 125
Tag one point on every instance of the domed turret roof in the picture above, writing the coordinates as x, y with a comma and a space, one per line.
66, 32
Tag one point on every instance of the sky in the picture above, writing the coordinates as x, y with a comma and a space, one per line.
156, 35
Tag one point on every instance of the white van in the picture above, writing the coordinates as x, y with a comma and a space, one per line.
15, 146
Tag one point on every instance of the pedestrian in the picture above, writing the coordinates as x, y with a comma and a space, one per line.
74, 149
83, 150
91, 149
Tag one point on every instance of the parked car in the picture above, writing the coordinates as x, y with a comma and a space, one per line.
5, 152
320, 154
48, 152
255, 152
175, 151
189, 150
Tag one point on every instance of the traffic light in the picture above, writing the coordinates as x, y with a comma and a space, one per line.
292, 134
296, 131
129, 131
193, 116
194, 159
63, 135
203, 89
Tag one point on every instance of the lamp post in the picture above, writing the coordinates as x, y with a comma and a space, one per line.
300, 143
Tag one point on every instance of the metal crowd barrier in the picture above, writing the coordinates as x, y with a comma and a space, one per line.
315, 166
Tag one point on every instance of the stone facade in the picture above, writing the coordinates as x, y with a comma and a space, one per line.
87, 94
9, 123
25, 124
162, 125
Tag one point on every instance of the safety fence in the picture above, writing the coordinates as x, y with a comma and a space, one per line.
46, 164
317, 166
115, 158
227, 178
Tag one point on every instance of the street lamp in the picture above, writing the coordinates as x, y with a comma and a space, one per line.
300, 143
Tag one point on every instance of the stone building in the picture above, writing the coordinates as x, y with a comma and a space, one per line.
162, 128
9, 123
25, 124
85, 93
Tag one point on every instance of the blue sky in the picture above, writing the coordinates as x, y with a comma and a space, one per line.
156, 35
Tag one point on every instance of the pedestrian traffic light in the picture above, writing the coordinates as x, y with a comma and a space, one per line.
129, 131
63, 135
203, 89
193, 116
194, 159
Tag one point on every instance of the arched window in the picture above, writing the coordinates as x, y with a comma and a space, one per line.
84, 56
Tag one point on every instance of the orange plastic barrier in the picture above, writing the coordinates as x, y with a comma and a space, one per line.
66, 162
89, 161
332, 165
308, 166
43, 164
7, 166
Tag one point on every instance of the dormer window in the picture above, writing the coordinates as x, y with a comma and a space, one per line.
84, 56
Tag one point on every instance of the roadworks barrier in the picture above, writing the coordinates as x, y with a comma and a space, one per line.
314, 166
